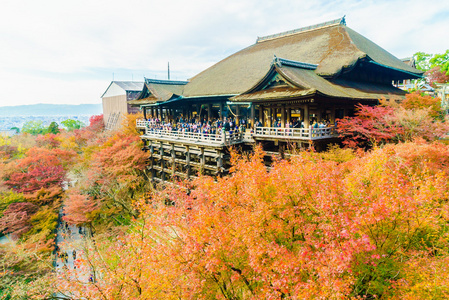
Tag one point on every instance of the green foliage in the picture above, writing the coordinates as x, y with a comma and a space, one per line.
53, 128
337, 154
426, 61
422, 61
6, 198
71, 125
43, 223
34, 127
17, 129
441, 60
374, 278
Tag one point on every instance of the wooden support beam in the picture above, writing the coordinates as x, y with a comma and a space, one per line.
306, 116
237, 114
270, 117
173, 157
202, 158
152, 159
219, 161
261, 116
161, 152
283, 116
253, 114
188, 161
209, 112
221, 114
332, 120
274, 116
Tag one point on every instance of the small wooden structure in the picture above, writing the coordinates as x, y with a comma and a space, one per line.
116, 101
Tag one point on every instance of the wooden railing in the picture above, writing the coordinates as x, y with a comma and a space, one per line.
223, 138
295, 133
142, 123
237, 137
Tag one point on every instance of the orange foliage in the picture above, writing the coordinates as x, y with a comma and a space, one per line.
307, 229
129, 124
79, 209
416, 100
118, 160
45, 196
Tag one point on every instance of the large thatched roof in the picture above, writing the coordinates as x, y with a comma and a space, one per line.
332, 46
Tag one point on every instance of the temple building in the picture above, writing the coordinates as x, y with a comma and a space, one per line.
287, 88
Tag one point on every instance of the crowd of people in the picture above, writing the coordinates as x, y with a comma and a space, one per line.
63, 255
217, 126
297, 123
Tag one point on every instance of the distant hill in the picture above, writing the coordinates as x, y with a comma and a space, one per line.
51, 110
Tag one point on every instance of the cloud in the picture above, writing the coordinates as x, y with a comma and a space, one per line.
66, 51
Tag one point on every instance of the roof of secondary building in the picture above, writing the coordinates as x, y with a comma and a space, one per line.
126, 86
135, 86
159, 90
332, 46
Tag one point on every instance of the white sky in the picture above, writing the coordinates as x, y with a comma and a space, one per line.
59, 51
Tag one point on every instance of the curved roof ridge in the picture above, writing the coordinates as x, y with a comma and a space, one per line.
159, 81
338, 21
294, 63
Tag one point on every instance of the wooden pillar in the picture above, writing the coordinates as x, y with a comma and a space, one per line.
173, 156
152, 112
202, 160
221, 111
332, 120
161, 152
283, 116
261, 115
289, 114
209, 112
219, 161
237, 117
188, 161
274, 115
270, 117
161, 113
253, 114
145, 113
306, 116
152, 159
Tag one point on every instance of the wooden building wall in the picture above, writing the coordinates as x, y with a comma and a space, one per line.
113, 105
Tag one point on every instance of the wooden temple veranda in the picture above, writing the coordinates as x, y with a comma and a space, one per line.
286, 90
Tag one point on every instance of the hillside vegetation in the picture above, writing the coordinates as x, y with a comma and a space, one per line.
362, 222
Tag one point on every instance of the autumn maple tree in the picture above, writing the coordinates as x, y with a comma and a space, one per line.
41, 168
415, 116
